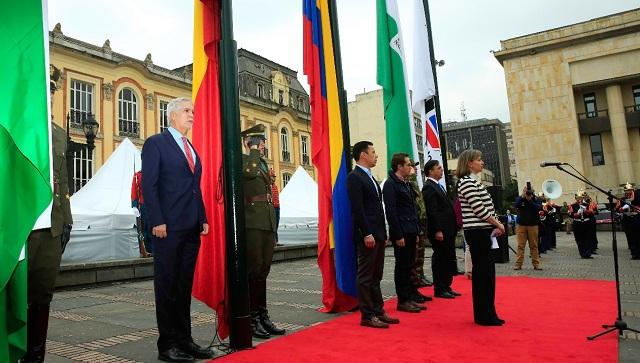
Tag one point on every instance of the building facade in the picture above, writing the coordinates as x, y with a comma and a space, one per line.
574, 96
366, 122
129, 97
485, 135
510, 150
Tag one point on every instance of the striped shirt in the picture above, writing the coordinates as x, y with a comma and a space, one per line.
476, 204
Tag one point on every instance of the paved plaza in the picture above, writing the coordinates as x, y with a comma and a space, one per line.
116, 322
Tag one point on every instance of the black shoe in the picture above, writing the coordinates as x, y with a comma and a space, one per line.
269, 326
258, 330
197, 351
454, 293
444, 295
501, 321
489, 323
408, 308
589, 257
175, 355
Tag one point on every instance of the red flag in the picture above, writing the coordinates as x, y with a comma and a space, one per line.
209, 282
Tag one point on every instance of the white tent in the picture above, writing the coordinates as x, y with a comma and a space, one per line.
299, 210
103, 220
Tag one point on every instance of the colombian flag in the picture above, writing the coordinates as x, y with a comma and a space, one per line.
210, 276
336, 250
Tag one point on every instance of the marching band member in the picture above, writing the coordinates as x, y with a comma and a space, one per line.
580, 212
629, 208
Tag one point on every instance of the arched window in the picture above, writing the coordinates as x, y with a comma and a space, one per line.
128, 124
284, 145
304, 149
259, 91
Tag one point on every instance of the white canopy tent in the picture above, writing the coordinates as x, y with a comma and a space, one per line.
299, 210
103, 220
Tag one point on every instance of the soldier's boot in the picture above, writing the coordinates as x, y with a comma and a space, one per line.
269, 325
37, 324
262, 309
257, 329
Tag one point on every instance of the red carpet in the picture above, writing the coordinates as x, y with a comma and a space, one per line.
547, 320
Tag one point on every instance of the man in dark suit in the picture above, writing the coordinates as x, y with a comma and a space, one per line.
402, 216
441, 230
369, 234
176, 215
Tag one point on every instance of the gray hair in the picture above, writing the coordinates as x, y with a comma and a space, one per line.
174, 105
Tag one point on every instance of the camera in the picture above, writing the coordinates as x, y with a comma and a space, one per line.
529, 191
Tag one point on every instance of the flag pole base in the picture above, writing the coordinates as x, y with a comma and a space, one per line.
240, 329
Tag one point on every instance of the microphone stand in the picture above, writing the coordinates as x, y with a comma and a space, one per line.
620, 325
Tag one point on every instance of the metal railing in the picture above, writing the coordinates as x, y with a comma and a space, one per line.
593, 114
632, 108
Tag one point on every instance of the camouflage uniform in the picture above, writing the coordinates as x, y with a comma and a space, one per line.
417, 271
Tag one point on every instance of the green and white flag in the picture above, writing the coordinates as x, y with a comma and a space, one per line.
392, 76
25, 172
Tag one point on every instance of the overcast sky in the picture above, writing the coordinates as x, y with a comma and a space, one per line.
465, 31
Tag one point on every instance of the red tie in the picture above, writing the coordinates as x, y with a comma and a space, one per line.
187, 152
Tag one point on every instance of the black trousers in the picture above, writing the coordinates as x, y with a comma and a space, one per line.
405, 257
483, 282
631, 227
370, 269
581, 235
443, 264
45, 253
592, 235
174, 259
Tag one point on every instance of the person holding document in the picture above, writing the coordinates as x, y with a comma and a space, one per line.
480, 225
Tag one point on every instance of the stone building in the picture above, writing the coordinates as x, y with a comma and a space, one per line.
128, 97
366, 122
574, 96
485, 135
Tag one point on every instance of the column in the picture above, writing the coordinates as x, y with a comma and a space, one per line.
619, 133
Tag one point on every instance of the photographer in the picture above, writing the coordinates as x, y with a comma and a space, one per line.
527, 229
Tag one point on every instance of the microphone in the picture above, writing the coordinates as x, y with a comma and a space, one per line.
544, 164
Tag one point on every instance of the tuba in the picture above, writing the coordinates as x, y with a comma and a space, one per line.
552, 188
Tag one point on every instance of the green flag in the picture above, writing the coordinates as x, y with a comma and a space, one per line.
393, 79
24, 158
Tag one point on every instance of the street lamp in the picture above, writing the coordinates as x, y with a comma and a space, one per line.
90, 128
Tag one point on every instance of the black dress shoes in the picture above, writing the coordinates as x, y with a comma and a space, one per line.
269, 326
418, 305
444, 295
374, 322
454, 293
489, 323
407, 307
197, 351
387, 319
175, 355
420, 298
258, 330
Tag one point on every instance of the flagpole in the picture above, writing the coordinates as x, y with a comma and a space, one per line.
236, 245
436, 97
342, 94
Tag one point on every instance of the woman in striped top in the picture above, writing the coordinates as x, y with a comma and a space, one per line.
479, 222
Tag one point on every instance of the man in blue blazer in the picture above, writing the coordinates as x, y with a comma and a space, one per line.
176, 214
369, 235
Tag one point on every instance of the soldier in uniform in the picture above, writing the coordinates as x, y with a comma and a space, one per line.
581, 212
45, 245
629, 207
260, 222
417, 271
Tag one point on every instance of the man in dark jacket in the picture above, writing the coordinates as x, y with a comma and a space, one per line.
441, 230
527, 229
369, 235
402, 217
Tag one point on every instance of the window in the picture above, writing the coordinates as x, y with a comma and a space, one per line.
590, 105
301, 104
281, 97
82, 169
636, 98
285, 179
266, 142
81, 102
304, 146
284, 145
597, 155
128, 124
259, 90
164, 118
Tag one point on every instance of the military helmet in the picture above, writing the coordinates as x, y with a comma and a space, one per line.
254, 131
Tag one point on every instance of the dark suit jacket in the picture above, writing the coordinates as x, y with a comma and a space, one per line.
440, 213
400, 208
171, 191
366, 206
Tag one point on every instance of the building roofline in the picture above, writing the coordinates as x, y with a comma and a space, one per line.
607, 26
268, 62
